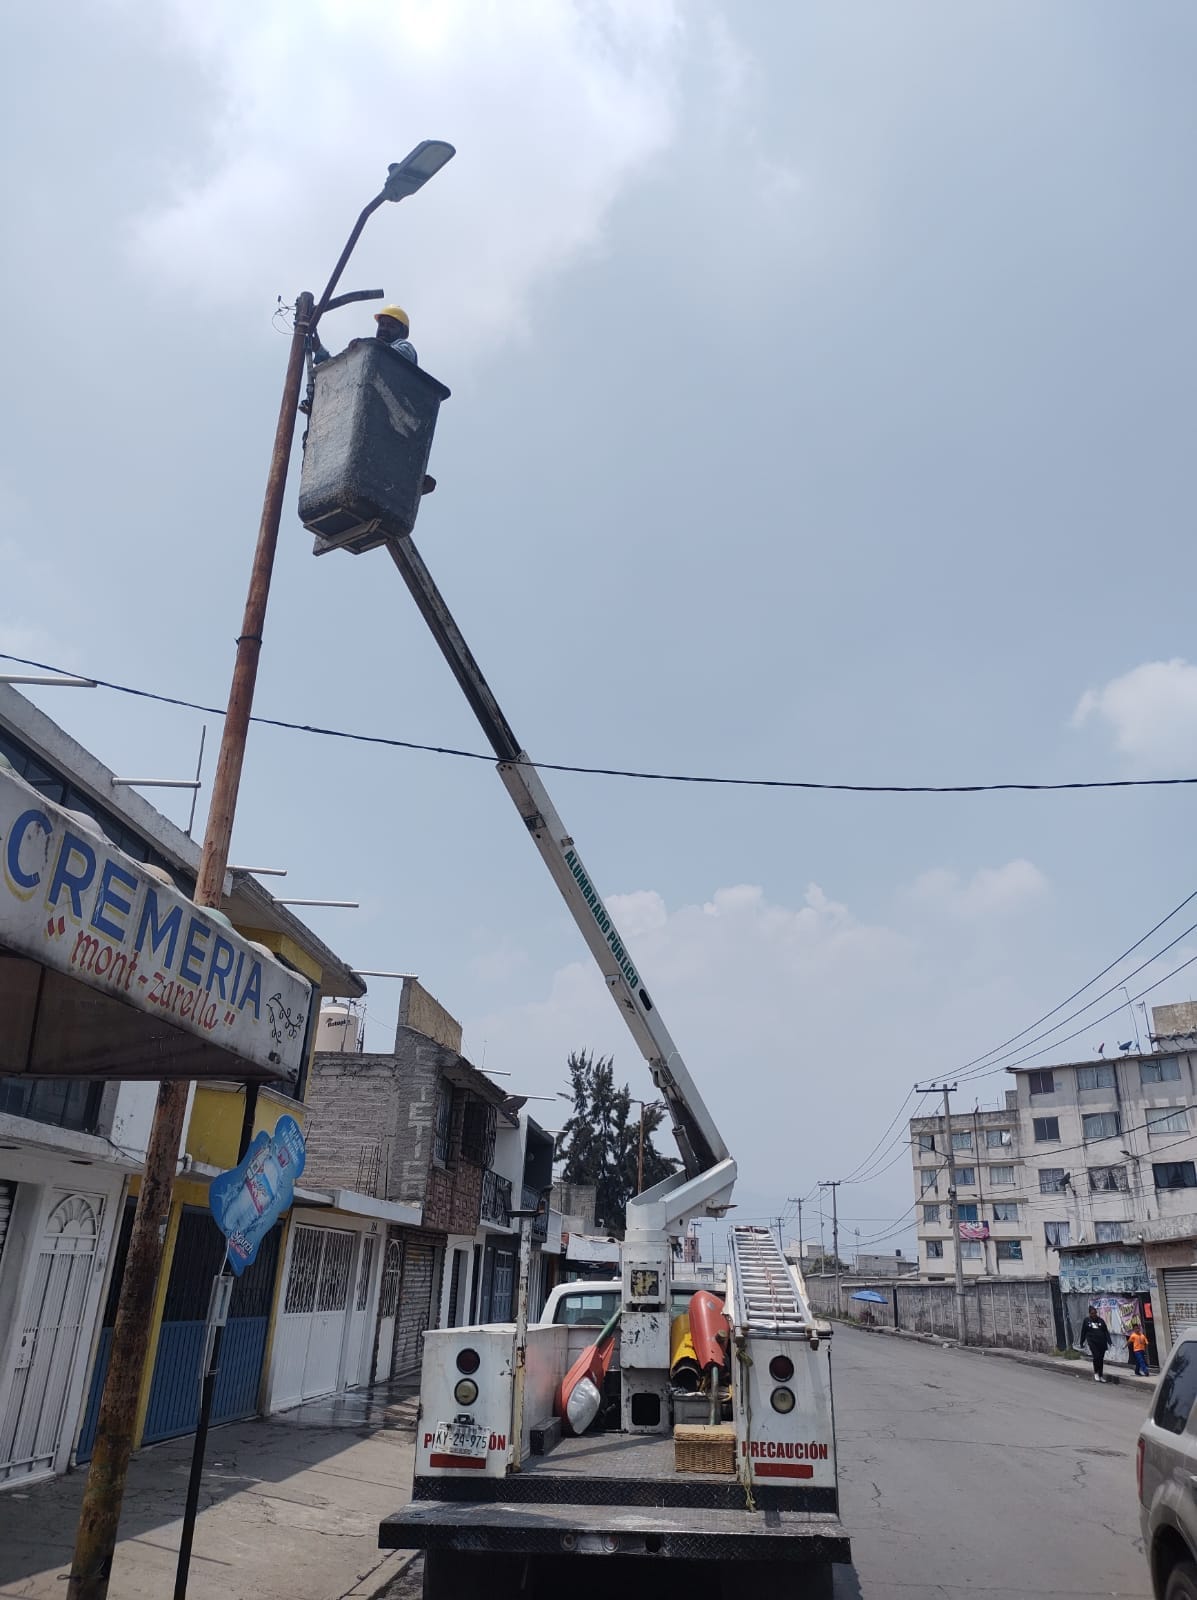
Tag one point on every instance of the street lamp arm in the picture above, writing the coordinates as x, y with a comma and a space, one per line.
322, 304
355, 294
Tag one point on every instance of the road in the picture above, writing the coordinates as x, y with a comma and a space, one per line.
964, 1474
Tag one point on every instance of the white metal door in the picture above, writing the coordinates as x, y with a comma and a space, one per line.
359, 1344
315, 1313
388, 1307
50, 1329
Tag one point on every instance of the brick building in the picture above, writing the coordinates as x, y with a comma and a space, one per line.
415, 1126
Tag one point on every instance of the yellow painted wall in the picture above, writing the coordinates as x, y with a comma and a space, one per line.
214, 1130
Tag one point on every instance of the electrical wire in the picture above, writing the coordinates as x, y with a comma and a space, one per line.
626, 772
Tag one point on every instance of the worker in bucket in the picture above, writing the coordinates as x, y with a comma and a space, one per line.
393, 328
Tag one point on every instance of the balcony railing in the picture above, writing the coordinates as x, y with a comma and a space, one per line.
496, 1199
529, 1200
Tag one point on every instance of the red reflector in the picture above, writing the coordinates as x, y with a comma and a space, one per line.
456, 1461
782, 1469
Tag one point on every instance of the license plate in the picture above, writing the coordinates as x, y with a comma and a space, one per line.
459, 1439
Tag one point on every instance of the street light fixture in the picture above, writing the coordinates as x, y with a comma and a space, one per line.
414, 171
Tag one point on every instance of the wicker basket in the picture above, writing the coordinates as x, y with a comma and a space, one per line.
705, 1448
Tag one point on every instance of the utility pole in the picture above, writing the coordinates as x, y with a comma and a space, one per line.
780, 1246
99, 1513
798, 1203
833, 1185
953, 1209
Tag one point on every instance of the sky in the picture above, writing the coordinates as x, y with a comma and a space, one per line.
822, 409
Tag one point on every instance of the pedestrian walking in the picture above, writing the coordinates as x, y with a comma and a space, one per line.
1096, 1335
1137, 1340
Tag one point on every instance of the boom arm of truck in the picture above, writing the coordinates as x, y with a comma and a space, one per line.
705, 1183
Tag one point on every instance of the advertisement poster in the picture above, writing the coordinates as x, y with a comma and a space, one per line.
249, 1199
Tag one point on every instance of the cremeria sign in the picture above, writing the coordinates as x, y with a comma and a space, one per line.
88, 937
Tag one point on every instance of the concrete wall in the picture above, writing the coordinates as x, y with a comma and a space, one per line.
419, 1012
1018, 1315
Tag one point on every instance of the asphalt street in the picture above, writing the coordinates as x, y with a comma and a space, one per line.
964, 1474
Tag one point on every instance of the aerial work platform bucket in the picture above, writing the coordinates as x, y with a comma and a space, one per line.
366, 453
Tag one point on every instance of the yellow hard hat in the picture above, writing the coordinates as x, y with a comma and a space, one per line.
393, 311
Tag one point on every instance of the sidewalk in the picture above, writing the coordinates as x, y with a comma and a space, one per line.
1078, 1368
289, 1509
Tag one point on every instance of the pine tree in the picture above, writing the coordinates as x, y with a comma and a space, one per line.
600, 1142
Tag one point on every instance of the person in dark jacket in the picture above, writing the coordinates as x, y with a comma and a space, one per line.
1096, 1335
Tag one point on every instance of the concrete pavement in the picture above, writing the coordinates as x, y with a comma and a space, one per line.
289, 1510
965, 1477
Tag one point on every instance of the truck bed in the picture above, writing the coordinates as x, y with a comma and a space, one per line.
621, 1488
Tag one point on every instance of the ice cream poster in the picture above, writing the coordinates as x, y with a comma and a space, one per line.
248, 1200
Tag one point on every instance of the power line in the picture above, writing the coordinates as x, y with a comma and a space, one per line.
807, 784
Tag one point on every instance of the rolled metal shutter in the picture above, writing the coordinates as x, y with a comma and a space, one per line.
1180, 1288
8, 1194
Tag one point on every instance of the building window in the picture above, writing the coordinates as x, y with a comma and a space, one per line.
966, 1177
927, 1178
1099, 1076
478, 1132
970, 1250
1001, 1177
1101, 1125
1174, 1174
962, 1141
1105, 1178
1046, 1129
1165, 1070
995, 1138
1051, 1180
1167, 1121
930, 1213
934, 1249
1009, 1249
967, 1214
1055, 1234
1041, 1082
442, 1125
61, 1102
1005, 1211
1108, 1232
926, 1141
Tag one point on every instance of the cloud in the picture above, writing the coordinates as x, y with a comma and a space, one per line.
990, 892
554, 108
1151, 713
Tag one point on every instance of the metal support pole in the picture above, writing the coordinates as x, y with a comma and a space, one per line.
218, 1316
833, 1185
521, 1341
640, 1155
99, 1514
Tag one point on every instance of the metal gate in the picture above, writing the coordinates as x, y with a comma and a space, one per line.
312, 1329
174, 1392
51, 1326
418, 1295
388, 1305
1180, 1291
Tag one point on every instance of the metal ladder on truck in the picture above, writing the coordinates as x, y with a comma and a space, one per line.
768, 1300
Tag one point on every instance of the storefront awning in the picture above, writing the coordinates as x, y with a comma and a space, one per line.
108, 972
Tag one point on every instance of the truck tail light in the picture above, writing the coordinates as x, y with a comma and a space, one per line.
468, 1360
781, 1369
782, 1400
466, 1392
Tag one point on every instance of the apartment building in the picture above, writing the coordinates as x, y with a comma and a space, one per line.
986, 1147
1081, 1153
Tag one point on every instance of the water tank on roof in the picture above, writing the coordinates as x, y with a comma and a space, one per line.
373, 416
339, 1030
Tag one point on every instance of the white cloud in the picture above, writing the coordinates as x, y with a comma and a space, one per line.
1151, 713
990, 892
554, 108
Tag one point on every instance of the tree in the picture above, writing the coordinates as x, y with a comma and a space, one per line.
600, 1142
